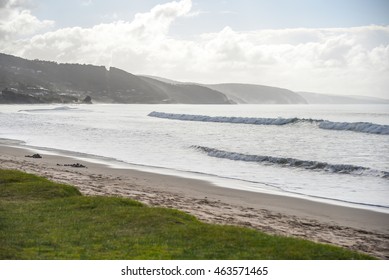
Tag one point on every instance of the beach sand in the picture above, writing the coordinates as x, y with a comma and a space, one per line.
358, 229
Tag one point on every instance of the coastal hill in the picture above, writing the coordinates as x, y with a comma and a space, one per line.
245, 93
46, 81
184, 93
257, 94
320, 98
24, 81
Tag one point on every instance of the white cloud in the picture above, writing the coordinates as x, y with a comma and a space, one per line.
16, 21
334, 60
137, 40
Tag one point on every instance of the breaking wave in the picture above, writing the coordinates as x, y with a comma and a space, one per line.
364, 127
62, 108
297, 163
201, 118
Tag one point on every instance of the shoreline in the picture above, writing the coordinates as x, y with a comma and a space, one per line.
216, 181
358, 229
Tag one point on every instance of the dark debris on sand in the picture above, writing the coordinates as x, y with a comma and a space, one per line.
76, 165
34, 156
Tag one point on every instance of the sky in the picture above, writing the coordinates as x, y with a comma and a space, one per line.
327, 46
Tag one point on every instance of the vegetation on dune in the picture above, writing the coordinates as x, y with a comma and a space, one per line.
40, 219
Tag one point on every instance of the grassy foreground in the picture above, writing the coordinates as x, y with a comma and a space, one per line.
40, 219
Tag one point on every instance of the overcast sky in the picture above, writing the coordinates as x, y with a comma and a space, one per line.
328, 46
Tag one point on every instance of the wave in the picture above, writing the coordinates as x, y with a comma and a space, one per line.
62, 108
365, 127
297, 163
242, 120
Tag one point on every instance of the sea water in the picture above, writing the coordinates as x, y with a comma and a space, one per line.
337, 153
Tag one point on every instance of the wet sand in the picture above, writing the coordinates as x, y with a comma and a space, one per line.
358, 229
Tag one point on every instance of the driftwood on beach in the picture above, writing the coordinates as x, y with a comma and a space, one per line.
34, 156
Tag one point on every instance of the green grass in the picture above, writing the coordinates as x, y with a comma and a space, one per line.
40, 219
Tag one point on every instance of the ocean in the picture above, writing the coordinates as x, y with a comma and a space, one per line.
333, 153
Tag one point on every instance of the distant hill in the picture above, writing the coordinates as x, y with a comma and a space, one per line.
245, 93
165, 80
35, 81
188, 93
257, 94
320, 98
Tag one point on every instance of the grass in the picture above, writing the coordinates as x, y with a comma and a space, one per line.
40, 219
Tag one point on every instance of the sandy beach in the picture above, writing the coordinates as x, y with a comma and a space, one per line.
358, 229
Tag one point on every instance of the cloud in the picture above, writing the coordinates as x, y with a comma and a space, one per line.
11, 3
16, 21
335, 60
3, 3
135, 41
338, 60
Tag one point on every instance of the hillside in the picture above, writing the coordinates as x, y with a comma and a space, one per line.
38, 79
189, 93
257, 94
243, 93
